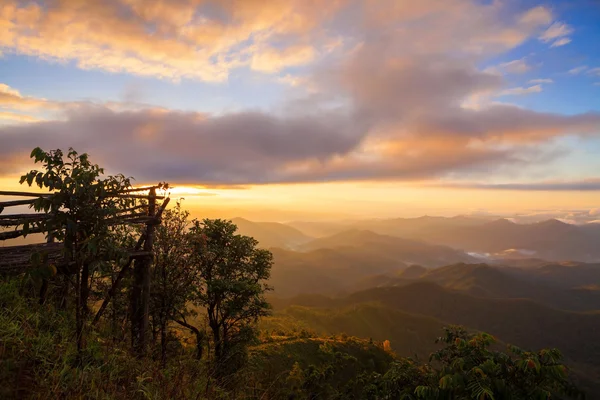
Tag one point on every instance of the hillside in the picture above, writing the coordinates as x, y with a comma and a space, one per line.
486, 281
522, 322
327, 271
410, 335
271, 234
563, 275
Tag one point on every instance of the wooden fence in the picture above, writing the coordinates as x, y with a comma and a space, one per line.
17, 259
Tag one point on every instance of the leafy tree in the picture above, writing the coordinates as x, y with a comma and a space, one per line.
469, 369
80, 212
232, 272
174, 278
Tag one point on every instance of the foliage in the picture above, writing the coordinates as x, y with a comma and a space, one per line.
80, 212
232, 272
469, 369
38, 359
173, 276
83, 202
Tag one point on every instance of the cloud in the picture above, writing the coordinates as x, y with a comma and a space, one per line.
7, 115
556, 33
518, 91
386, 107
167, 39
577, 70
542, 80
511, 67
273, 60
594, 71
585, 185
560, 42
12, 98
236, 148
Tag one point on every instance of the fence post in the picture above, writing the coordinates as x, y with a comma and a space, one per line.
140, 295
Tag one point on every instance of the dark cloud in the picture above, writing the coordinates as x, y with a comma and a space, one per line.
247, 147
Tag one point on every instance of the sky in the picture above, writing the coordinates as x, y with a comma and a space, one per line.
313, 109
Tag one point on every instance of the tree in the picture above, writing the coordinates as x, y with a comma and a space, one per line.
469, 369
173, 277
232, 272
80, 211
465, 368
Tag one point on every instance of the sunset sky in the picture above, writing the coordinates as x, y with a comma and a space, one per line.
314, 109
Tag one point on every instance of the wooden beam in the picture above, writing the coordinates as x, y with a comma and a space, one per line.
18, 233
33, 216
23, 194
140, 189
13, 203
117, 282
139, 196
125, 269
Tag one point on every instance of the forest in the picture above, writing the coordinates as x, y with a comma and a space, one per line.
126, 295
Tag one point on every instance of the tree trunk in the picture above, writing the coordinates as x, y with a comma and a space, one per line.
163, 344
44, 288
78, 316
63, 302
85, 289
199, 337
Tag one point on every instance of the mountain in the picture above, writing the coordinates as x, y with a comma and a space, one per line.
320, 229
405, 251
404, 227
483, 280
569, 275
500, 238
271, 234
326, 271
521, 322
552, 239
518, 321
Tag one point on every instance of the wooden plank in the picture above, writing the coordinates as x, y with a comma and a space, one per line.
33, 216
140, 189
18, 233
23, 194
16, 259
13, 203
139, 196
126, 267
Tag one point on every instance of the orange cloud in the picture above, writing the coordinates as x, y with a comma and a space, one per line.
168, 39
11, 116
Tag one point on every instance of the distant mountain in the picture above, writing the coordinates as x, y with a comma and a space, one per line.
570, 275
404, 227
413, 272
501, 238
552, 239
271, 234
320, 229
326, 270
403, 250
483, 280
